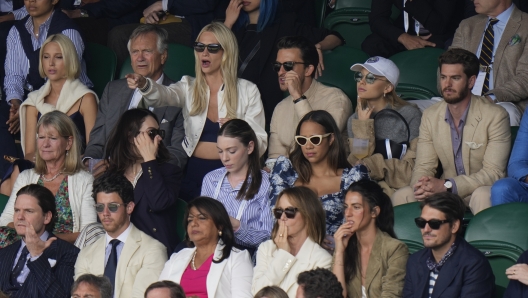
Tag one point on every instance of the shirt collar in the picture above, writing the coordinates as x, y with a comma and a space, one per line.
123, 237
504, 16
449, 117
43, 237
46, 24
432, 265
225, 181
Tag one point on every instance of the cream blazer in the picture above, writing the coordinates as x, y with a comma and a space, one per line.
277, 267
230, 278
139, 264
80, 196
180, 94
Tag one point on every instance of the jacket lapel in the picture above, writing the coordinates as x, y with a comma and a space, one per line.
448, 272
511, 27
480, 27
215, 272
423, 275
473, 118
444, 130
8, 262
131, 246
374, 264
98, 262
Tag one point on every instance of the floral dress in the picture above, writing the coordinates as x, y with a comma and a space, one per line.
63, 222
284, 176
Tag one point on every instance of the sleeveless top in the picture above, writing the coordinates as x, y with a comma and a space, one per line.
209, 132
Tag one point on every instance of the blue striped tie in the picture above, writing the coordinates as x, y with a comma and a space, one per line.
486, 53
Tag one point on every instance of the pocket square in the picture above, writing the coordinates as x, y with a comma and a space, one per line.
52, 262
164, 121
473, 145
514, 40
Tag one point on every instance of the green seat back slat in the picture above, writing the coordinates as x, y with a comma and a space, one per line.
404, 225
101, 66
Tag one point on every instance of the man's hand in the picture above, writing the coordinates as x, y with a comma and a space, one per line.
292, 80
415, 42
72, 14
7, 17
156, 7
428, 186
34, 244
14, 118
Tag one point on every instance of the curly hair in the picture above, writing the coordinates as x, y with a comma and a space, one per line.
320, 282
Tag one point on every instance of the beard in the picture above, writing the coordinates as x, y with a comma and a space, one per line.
460, 96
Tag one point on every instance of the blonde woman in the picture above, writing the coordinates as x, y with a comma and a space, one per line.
215, 96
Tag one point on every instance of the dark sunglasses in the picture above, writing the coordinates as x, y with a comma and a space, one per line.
290, 212
315, 139
111, 206
433, 223
212, 48
288, 65
156, 132
370, 78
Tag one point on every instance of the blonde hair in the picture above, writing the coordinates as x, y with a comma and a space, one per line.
66, 128
228, 67
69, 56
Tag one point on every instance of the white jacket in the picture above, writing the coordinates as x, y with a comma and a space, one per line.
230, 278
80, 196
180, 94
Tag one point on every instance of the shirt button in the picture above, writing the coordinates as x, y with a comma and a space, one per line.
154, 230
150, 210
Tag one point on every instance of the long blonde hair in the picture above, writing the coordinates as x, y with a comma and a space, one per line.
228, 67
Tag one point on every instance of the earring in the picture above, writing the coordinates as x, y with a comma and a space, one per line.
220, 233
66, 152
384, 94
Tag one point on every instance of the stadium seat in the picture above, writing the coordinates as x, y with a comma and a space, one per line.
337, 71
3, 202
352, 23
505, 223
419, 67
501, 255
101, 64
182, 207
366, 4
405, 228
412, 92
320, 12
180, 62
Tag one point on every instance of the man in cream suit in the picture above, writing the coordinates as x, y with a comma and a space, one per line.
131, 259
466, 134
508, 71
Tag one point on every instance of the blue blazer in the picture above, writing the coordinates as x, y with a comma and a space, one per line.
43, 280
515, 288
467, 273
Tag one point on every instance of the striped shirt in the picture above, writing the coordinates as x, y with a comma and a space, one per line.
432, 281
256, 221
17, 63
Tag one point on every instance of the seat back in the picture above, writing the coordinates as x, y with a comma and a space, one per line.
352, 23
101, 64
180, 62
3, 202
419, 67
501, 256
505, 223
412, 92
404, 225
181, 205
337, 71
320, 12
365, 4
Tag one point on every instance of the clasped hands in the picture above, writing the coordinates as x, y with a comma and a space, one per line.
428, 186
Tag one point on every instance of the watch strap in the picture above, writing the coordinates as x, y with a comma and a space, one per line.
303, 97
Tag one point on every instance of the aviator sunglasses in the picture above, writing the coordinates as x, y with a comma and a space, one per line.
315, 139
111, 206
370, 78
212, 48
288, 65
433, 223
289, 211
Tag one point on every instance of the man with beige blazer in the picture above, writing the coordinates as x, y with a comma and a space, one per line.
508, 71
466, 134
131, 259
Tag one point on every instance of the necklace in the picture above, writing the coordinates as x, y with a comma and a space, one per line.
192, 261
52, 178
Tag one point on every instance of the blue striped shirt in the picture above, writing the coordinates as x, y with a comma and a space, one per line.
17, 63
256, 221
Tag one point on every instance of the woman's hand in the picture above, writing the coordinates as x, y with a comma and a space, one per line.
342, 236
363, 114
147, 147
281, 239
135, 80
232, 13
320, 66
518, 272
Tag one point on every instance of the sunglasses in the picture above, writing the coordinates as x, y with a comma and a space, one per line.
288, 65
156, 132
433, 223
290, 212
370, 78
111, 206
315, 140
212, 48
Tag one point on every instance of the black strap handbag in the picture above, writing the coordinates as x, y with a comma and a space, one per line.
388, 148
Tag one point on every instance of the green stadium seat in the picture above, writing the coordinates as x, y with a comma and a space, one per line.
352, 23
337, 71
505, 223
405, 228
182, 207
411, 91
419, 67
180, 62
320, 12
101, 66
366, 4
3, 202
501, 256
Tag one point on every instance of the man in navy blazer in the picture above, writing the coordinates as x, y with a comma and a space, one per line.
39, 265
448, 266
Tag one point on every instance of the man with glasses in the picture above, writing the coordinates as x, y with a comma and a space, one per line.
467, 135
296, 64
448, 266
131, 259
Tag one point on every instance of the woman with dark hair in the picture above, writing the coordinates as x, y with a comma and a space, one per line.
241, 185
318, 162
135, 150
295, 244
369, 261
213, 267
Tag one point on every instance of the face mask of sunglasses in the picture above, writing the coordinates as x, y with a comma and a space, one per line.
370, 78
315, 140
433, 223
288, 65
112, 207
212, 48
156, 132
290, 212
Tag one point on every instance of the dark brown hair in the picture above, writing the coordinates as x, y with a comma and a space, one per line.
469, 61
176, 291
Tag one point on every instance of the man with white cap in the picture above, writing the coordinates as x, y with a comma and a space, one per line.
296, 63
467, 135
381, 115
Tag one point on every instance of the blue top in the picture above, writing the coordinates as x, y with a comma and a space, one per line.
209, 132
284, 176
518, 164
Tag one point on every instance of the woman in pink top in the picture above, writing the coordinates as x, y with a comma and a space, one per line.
212, 267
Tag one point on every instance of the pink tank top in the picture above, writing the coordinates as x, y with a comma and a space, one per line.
194, 282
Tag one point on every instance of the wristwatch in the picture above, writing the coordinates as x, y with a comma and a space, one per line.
303, 97
84, 13
449, 185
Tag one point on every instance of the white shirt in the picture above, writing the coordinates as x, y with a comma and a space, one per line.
123, 237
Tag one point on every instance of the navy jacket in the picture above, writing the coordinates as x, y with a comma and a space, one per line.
43, 280
515, 288
467, 273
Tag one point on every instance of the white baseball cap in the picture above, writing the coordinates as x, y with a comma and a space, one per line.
381, 67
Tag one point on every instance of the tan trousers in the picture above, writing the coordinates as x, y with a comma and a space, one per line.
479, 200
